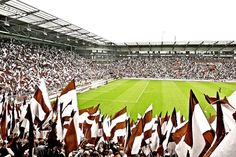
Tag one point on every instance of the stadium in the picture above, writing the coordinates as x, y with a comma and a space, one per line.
65, 91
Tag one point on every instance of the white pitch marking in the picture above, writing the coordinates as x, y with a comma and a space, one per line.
142, 92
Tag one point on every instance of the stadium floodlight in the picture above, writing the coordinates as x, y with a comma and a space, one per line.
6, 22
45, 33
57, 36
28, 28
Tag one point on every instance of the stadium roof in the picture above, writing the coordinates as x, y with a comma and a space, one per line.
204, 46
15, 14
148, 21
181, 43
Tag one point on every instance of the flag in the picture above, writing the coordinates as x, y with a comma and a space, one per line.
227, 109
93, 120
59, 125
68, 95
24, 123
54, 105
28, 116
119, 130
147, 125
90, 124
90, 110
106, 128
154, 138
13, 118
67, 105
232, 99
199, 134
162, 137
134, 143
128, 132
118, 124
220, 129
180, 132
40, 105
72, 137
147, 130
164, 122
174, 118
2, 101
226, 147
119, 116
169, 129
4, 122
202, 133
85, 113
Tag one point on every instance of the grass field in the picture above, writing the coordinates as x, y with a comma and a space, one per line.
137, 95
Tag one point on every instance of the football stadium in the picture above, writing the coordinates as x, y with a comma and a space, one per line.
154, 83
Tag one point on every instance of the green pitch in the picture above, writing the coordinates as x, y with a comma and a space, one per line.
137, 95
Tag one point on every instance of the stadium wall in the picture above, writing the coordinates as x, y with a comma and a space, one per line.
134, 78
82, 89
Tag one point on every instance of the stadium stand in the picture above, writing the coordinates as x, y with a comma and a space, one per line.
31, 48
199, 68
22, 65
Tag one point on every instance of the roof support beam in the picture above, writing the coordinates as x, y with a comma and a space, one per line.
24, 15
85, 33
68, 31
229, 43
21, 15
53, 28
161, 45
212, 46
186, 45
173, 46
233, 49
199, 46
150, 47
6, 29
4, 1
102, 40
138, 46
44, 21
128, 47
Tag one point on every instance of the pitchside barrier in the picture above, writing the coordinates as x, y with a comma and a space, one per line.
193, 80
82, 89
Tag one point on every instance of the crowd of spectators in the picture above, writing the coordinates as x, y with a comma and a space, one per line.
197, 68
15, 146
23, 64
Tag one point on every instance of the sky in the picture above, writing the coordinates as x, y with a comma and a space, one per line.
148, 20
